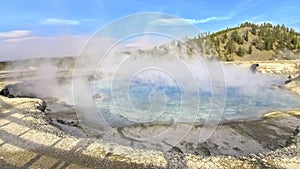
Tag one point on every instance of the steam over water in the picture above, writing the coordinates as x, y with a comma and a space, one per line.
156, 97
168, 81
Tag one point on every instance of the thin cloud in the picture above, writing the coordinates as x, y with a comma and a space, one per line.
27, 38
209, 19
254, 18
291, 7
91, 20
180, 22
169, 22
59, 21
15, 34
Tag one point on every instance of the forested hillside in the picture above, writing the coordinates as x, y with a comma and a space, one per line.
256, 42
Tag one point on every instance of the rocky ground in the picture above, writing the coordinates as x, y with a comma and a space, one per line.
290, 69
37, 133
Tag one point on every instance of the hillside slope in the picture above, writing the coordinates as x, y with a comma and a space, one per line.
256, 42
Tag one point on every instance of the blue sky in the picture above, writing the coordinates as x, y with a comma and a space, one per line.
55, 19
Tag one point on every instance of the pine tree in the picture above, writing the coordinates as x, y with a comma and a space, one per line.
246, 36
217, 44
240, 52
295, 42
236, 37
268, 44
253, 29
250, 50
230, 47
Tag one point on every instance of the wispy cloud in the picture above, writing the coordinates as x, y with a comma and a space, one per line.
291, 7
179, 21
254, 18
209, 19
169, 22
15, 34
22, 39
59, 21
91, 20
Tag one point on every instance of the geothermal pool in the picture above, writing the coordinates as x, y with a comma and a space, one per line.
159, 99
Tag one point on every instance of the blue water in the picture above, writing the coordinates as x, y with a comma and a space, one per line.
149, 102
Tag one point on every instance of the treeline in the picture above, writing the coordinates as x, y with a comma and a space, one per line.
271, 37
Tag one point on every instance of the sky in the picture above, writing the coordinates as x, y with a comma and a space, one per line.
35, 28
